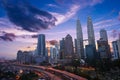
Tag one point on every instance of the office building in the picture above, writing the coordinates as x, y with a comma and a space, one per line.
115, 50
62, 49
68, 47
90, 54
90, 31
53, 55
103, 49
75, 45
118, 42
41, 46
103, 35
80, 46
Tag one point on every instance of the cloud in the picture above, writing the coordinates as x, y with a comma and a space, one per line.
32, 19
119, 16
34, 36
22, 14
2, 32
75, 6
52, 5
81, 2
94, 2
53, 42
28, 47
28, 36
109, 23
115, 34
8, 37
34, 43
64, 17
103, 22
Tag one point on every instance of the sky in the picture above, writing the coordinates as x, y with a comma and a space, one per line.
22, 20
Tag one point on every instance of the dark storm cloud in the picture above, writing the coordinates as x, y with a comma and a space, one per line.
8, 37
22, 14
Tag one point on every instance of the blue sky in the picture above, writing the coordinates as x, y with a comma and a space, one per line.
22, 20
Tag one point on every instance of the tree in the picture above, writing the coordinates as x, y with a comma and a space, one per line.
75, 63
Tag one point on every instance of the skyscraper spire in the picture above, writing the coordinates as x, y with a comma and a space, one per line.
80, 47
90, 30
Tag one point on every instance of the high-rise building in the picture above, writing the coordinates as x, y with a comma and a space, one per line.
103, 35
115, 50
80, 46
41, 46
75, 44
90, 54
53, 54
25, 57
68, 47
118, 42
103, 49
116, 47
90, 30
62, 49
19, 56
103, 46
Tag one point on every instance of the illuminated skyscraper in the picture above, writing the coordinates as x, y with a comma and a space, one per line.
90, 30
80, 47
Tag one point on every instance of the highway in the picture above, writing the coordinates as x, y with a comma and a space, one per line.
54, 74
47, 75
68, 74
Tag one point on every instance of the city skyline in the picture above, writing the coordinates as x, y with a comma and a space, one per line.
64, 16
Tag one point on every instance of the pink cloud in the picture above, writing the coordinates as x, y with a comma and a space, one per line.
8, 37
115, 34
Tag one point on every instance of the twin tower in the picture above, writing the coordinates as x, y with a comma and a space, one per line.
91, 37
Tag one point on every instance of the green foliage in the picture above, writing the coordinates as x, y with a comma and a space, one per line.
106, 64
75, 63
116, 63
60, 67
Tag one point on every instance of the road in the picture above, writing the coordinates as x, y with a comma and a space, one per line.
47, 75
54, 74
68, 74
